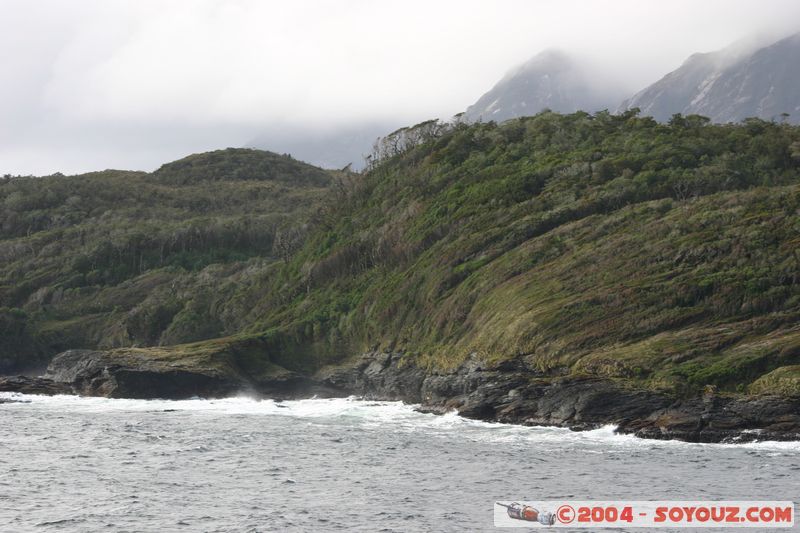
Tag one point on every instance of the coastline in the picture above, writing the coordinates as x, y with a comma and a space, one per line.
506, 393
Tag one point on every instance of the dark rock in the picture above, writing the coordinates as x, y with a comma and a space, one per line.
376, 376
143, 374
99, 373
33, 385
721, 419
511, 393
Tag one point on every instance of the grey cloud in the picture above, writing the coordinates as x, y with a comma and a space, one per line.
91, 84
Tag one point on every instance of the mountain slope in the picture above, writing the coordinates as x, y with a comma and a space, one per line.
729, 85
550, 80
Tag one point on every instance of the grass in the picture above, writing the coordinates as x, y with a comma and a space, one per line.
784, 380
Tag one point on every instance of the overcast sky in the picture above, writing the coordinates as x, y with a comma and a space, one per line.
94, 84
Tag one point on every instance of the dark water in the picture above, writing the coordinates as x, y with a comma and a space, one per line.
90, 464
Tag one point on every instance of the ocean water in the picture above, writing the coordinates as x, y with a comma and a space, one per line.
238, 464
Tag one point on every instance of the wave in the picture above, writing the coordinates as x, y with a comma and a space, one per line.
398, 415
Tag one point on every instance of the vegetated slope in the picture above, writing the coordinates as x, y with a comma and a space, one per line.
120, 258
729, 85
665, 255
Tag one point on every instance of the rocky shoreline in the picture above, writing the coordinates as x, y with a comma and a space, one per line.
513, 394
507, 393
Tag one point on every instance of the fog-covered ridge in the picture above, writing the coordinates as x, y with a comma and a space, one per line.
551, 80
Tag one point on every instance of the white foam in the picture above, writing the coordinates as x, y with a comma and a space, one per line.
239, 405
398, 415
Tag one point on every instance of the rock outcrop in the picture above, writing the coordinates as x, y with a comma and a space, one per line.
154, 373
102, 373
34, 385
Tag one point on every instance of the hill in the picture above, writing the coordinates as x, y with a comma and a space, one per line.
560, 269
119, 258
592, 244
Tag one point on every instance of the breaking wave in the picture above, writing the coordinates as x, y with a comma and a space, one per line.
398, 416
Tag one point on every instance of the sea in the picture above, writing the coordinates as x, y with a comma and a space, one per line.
70, 463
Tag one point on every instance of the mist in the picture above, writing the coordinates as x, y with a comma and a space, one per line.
94, 84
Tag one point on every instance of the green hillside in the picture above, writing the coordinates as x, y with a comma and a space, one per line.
608, 245
667, 256
117, 258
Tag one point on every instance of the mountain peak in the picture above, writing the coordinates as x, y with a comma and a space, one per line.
551, 79
746, 79
554, 58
